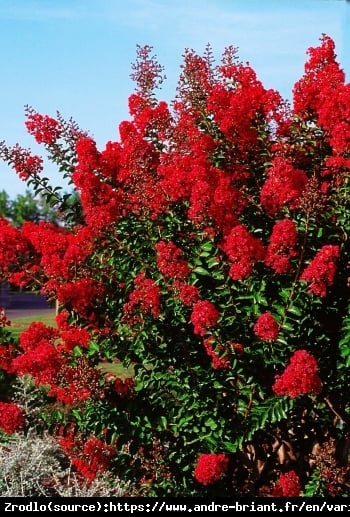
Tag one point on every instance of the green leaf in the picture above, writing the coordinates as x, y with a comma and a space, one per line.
211, 423
201, 271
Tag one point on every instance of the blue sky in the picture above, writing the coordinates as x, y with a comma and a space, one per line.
75, 56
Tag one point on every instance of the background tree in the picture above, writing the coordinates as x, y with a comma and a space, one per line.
35, 207
5, 205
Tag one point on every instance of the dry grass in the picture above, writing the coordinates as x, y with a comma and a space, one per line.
32, 466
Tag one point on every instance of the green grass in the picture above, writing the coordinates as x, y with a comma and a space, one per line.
116, 368
18, 325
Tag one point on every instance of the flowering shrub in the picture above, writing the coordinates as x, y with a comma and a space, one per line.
207, 254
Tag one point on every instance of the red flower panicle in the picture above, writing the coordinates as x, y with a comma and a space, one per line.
283, 186
170, 261
124, 387
321, 271
288, 485
210, 468
77, 383
90, 457
300, 377
45, 129
7, 354
11, 417
204, 316
266, 327
188, 294
282, 246
145, 297
243, 250
219, 354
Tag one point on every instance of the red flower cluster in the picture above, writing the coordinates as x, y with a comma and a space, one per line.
243, 250
282, 246
16, 252
42, 363
7, 354
237, 107
288, 485
35, 334
77, 383
187, 293
214, 350
321, 271
11, 417
221, 354
89, 457
81, 296
74, 336
24, 163
59, 249
300, 377
266, 327
45, 129
321, 79
204, 316
283, 186
210, 468
46, 357
146, 296
170, 262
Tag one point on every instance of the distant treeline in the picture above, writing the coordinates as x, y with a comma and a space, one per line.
30, 207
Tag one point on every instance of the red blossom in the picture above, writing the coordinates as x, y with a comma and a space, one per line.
42, 363
90, 457
266, 327
77, 382
283, 186
146, 297
7, 354
188, 294
321, 79
74, 336
45, 129
16, 251
11, 417
210, 468
60, 250
170, 261
220, 354
243, 250
321, 271
24, 163
300, 377
282, 246
204, 316
36, 333
124, 387
81, 296
288, 485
